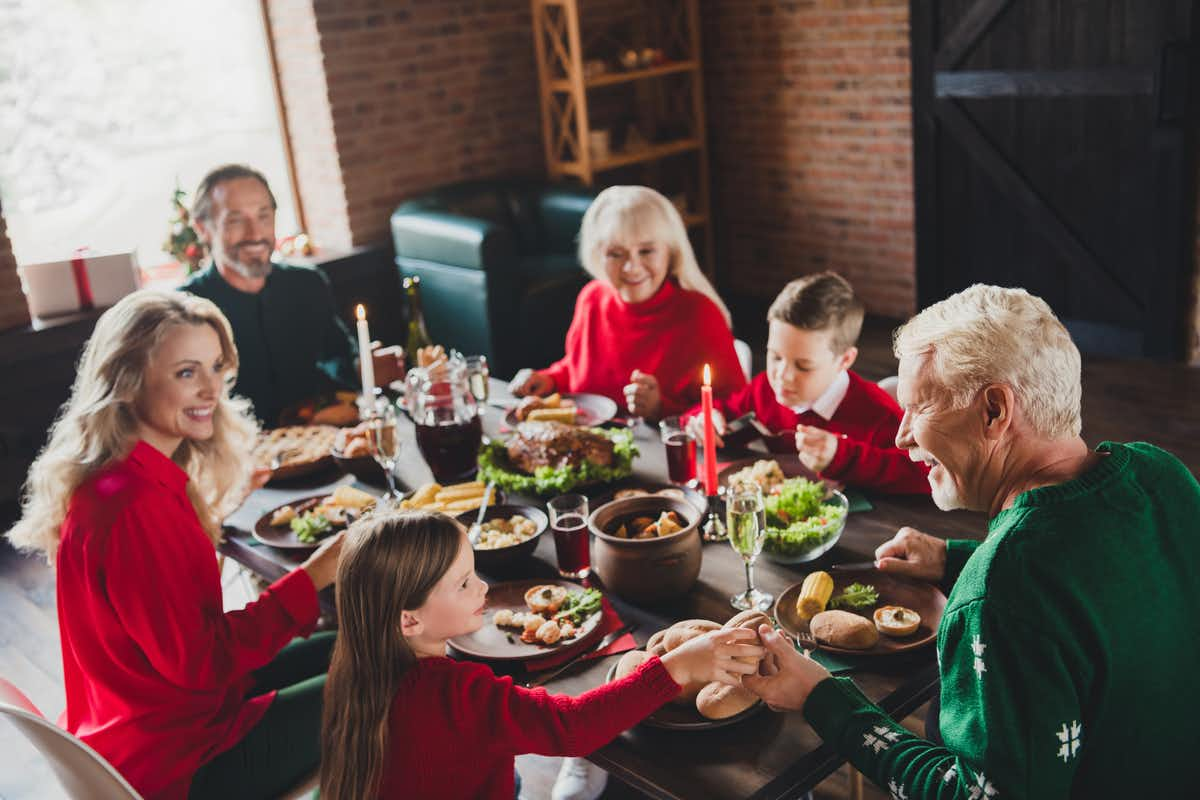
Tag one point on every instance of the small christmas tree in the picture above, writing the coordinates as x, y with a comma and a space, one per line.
182, 243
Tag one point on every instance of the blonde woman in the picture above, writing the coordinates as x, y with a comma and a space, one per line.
644, 328
126, 501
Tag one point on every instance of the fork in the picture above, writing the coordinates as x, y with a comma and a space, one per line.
278, 458
805, 640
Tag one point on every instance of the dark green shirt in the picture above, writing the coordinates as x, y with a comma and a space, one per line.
291, 343
1068, 649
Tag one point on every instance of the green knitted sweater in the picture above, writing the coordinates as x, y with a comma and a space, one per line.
1068, 650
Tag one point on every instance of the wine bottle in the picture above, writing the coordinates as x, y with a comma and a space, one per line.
418, 334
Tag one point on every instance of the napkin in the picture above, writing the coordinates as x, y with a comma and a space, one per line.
836, 665
609, 622
858, 501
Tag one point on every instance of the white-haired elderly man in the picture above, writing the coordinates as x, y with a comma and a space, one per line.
1067, 651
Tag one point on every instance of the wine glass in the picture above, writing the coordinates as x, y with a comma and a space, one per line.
477, 378
746, 524
383, 439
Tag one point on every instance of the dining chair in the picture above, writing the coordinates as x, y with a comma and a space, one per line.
745, 357
889, 384
83, 772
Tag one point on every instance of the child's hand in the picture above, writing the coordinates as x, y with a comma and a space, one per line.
695, 426
643, 398
723, 655
816, 447
536, 384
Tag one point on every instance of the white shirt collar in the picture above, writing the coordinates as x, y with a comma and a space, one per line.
827, 404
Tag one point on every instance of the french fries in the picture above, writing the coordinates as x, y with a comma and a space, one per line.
453, 499
565, 414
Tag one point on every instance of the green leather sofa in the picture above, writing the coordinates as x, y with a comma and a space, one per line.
498, 269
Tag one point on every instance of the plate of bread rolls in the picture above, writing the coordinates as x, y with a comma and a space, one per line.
698, 706
585, 410
861, 612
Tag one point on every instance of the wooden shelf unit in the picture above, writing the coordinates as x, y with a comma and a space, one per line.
567, 123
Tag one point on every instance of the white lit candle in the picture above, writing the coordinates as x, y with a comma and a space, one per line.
365, 361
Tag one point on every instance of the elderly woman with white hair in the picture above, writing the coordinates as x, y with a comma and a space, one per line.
644, 328
126, 500
1067, 649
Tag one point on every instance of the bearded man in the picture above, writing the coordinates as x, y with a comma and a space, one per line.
291, 343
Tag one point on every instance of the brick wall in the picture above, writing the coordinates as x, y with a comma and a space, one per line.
13, 311
810, 131
414, 93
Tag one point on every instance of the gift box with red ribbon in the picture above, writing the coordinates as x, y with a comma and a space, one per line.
85, 281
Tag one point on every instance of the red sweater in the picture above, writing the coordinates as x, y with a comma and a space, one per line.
156, 672
455, 727
670, 336
867, 420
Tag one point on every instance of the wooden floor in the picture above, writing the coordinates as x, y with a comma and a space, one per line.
1122, 401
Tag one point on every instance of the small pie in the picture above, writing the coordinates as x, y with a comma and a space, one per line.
897, 620
294, 446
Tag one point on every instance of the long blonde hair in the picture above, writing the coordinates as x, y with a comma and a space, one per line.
638, 213
99, 424
388, 565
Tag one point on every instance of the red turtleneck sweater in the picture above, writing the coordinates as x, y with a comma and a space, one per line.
670, 336
157, 673
455, 727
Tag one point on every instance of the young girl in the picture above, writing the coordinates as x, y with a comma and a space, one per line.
403, 720
644, 328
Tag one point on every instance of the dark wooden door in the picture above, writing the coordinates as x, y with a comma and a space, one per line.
1054, 150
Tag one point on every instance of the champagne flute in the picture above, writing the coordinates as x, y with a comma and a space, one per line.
383, 438
746, 523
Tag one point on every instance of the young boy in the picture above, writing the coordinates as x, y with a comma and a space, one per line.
842, 426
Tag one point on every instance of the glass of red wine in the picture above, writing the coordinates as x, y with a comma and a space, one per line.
681, 451
568, 520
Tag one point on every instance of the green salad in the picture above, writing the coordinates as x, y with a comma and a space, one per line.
310, 526
797, 521
495, 466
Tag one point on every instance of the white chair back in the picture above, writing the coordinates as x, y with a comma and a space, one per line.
745, 357
889, 384
83, 772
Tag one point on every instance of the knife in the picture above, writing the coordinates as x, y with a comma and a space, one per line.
605, 642
853, 566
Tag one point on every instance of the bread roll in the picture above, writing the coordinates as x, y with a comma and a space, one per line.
845, 630
630, 662
698, 624
719, 701
687, 696
750, 618
654, 644
677, 636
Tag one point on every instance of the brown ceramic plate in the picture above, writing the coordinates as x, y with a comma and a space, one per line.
283, 536
790, 464
676, 717
590, 410
924, 598
491, 643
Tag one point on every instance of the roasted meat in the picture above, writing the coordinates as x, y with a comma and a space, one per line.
553, 444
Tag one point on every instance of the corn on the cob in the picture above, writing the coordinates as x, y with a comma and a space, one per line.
814, 594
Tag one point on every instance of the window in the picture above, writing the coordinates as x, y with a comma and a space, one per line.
108, 105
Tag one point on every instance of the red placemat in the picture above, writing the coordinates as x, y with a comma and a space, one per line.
609, 622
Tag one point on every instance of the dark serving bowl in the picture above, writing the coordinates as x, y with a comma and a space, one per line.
505, 559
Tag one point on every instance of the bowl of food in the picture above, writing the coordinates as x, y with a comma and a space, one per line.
646, 548
352, 454
545, 458
804, 520
509, 536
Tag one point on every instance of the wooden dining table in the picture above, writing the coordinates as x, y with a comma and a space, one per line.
769, 754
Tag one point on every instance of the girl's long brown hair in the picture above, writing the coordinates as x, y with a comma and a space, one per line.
388, 565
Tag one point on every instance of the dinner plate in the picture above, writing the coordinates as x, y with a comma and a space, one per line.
790, 464
590, 410
283, 536
676, 717
491, 643
924, 598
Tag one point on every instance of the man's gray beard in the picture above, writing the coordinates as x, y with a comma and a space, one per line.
252, 271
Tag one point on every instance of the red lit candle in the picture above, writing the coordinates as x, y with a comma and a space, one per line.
710, 447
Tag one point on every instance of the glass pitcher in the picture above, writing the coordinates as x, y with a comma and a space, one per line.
447, 419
